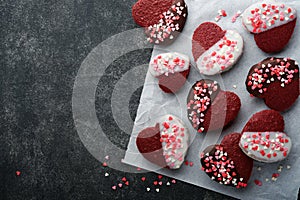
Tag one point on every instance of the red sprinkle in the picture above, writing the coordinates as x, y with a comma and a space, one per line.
143, 178
258, 182
18, 173
275, 175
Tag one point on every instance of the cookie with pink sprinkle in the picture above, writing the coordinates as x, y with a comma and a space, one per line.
276, 80
166, 144
163, 19
263, 138
216, 50
210, 108
171, 70
271, 23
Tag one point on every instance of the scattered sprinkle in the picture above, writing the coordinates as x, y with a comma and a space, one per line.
168, 183
148, 189
288, 167
258, 182
114, 187
267, 180
275, 175
236, 15
157, 189
127, 183
155, 183
120, 185
159, 176
104, 164
160, 183
234, 86
18, 173
191, 164
106, 157
221, 13
106, 174
143, 178
124, 179
138, 169
173, 181
258, 168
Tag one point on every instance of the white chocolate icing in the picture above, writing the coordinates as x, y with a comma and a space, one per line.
175, 140
266, 146
264, 16
222, 55
166, 63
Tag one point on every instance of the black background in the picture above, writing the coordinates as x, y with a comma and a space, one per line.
43, 43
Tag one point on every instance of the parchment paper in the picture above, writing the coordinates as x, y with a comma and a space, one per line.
155, 103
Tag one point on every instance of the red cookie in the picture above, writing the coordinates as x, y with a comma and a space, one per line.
163, 19
209, 108
271, 23
215, 50
226, 163
171, 70
276, 80
263, 138
166, 144
266, 120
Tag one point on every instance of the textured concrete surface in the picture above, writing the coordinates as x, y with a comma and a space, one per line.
42, 46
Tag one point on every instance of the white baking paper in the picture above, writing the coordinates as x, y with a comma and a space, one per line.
155, 103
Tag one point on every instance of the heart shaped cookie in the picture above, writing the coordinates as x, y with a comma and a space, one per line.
226, 164
271, 23
276, 80
263, 138
166, 144
171, 69
209, 108
215, 50
163, 19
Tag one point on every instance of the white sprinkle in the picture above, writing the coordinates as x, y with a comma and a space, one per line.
288, 167
106, 174
148, 189
168, 183
157, 189
234, 86
258, 168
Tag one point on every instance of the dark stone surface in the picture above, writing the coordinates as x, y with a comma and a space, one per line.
43, 43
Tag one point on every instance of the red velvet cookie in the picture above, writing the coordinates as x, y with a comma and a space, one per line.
166, 144
271, 23
276, 80
171, 70
263, 138
226, 163
163, 19
209, 108
215, 50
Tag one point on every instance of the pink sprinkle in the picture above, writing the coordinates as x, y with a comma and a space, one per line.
159, 176
104, 164
191, 164
18, 173
160, 182
120, 185
114, 187
138, 169
124, 179
143, 178
173, 181
258, 182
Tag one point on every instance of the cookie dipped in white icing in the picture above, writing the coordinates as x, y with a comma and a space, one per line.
221, 56
266, 147
175, 140
264, 16
169, 63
